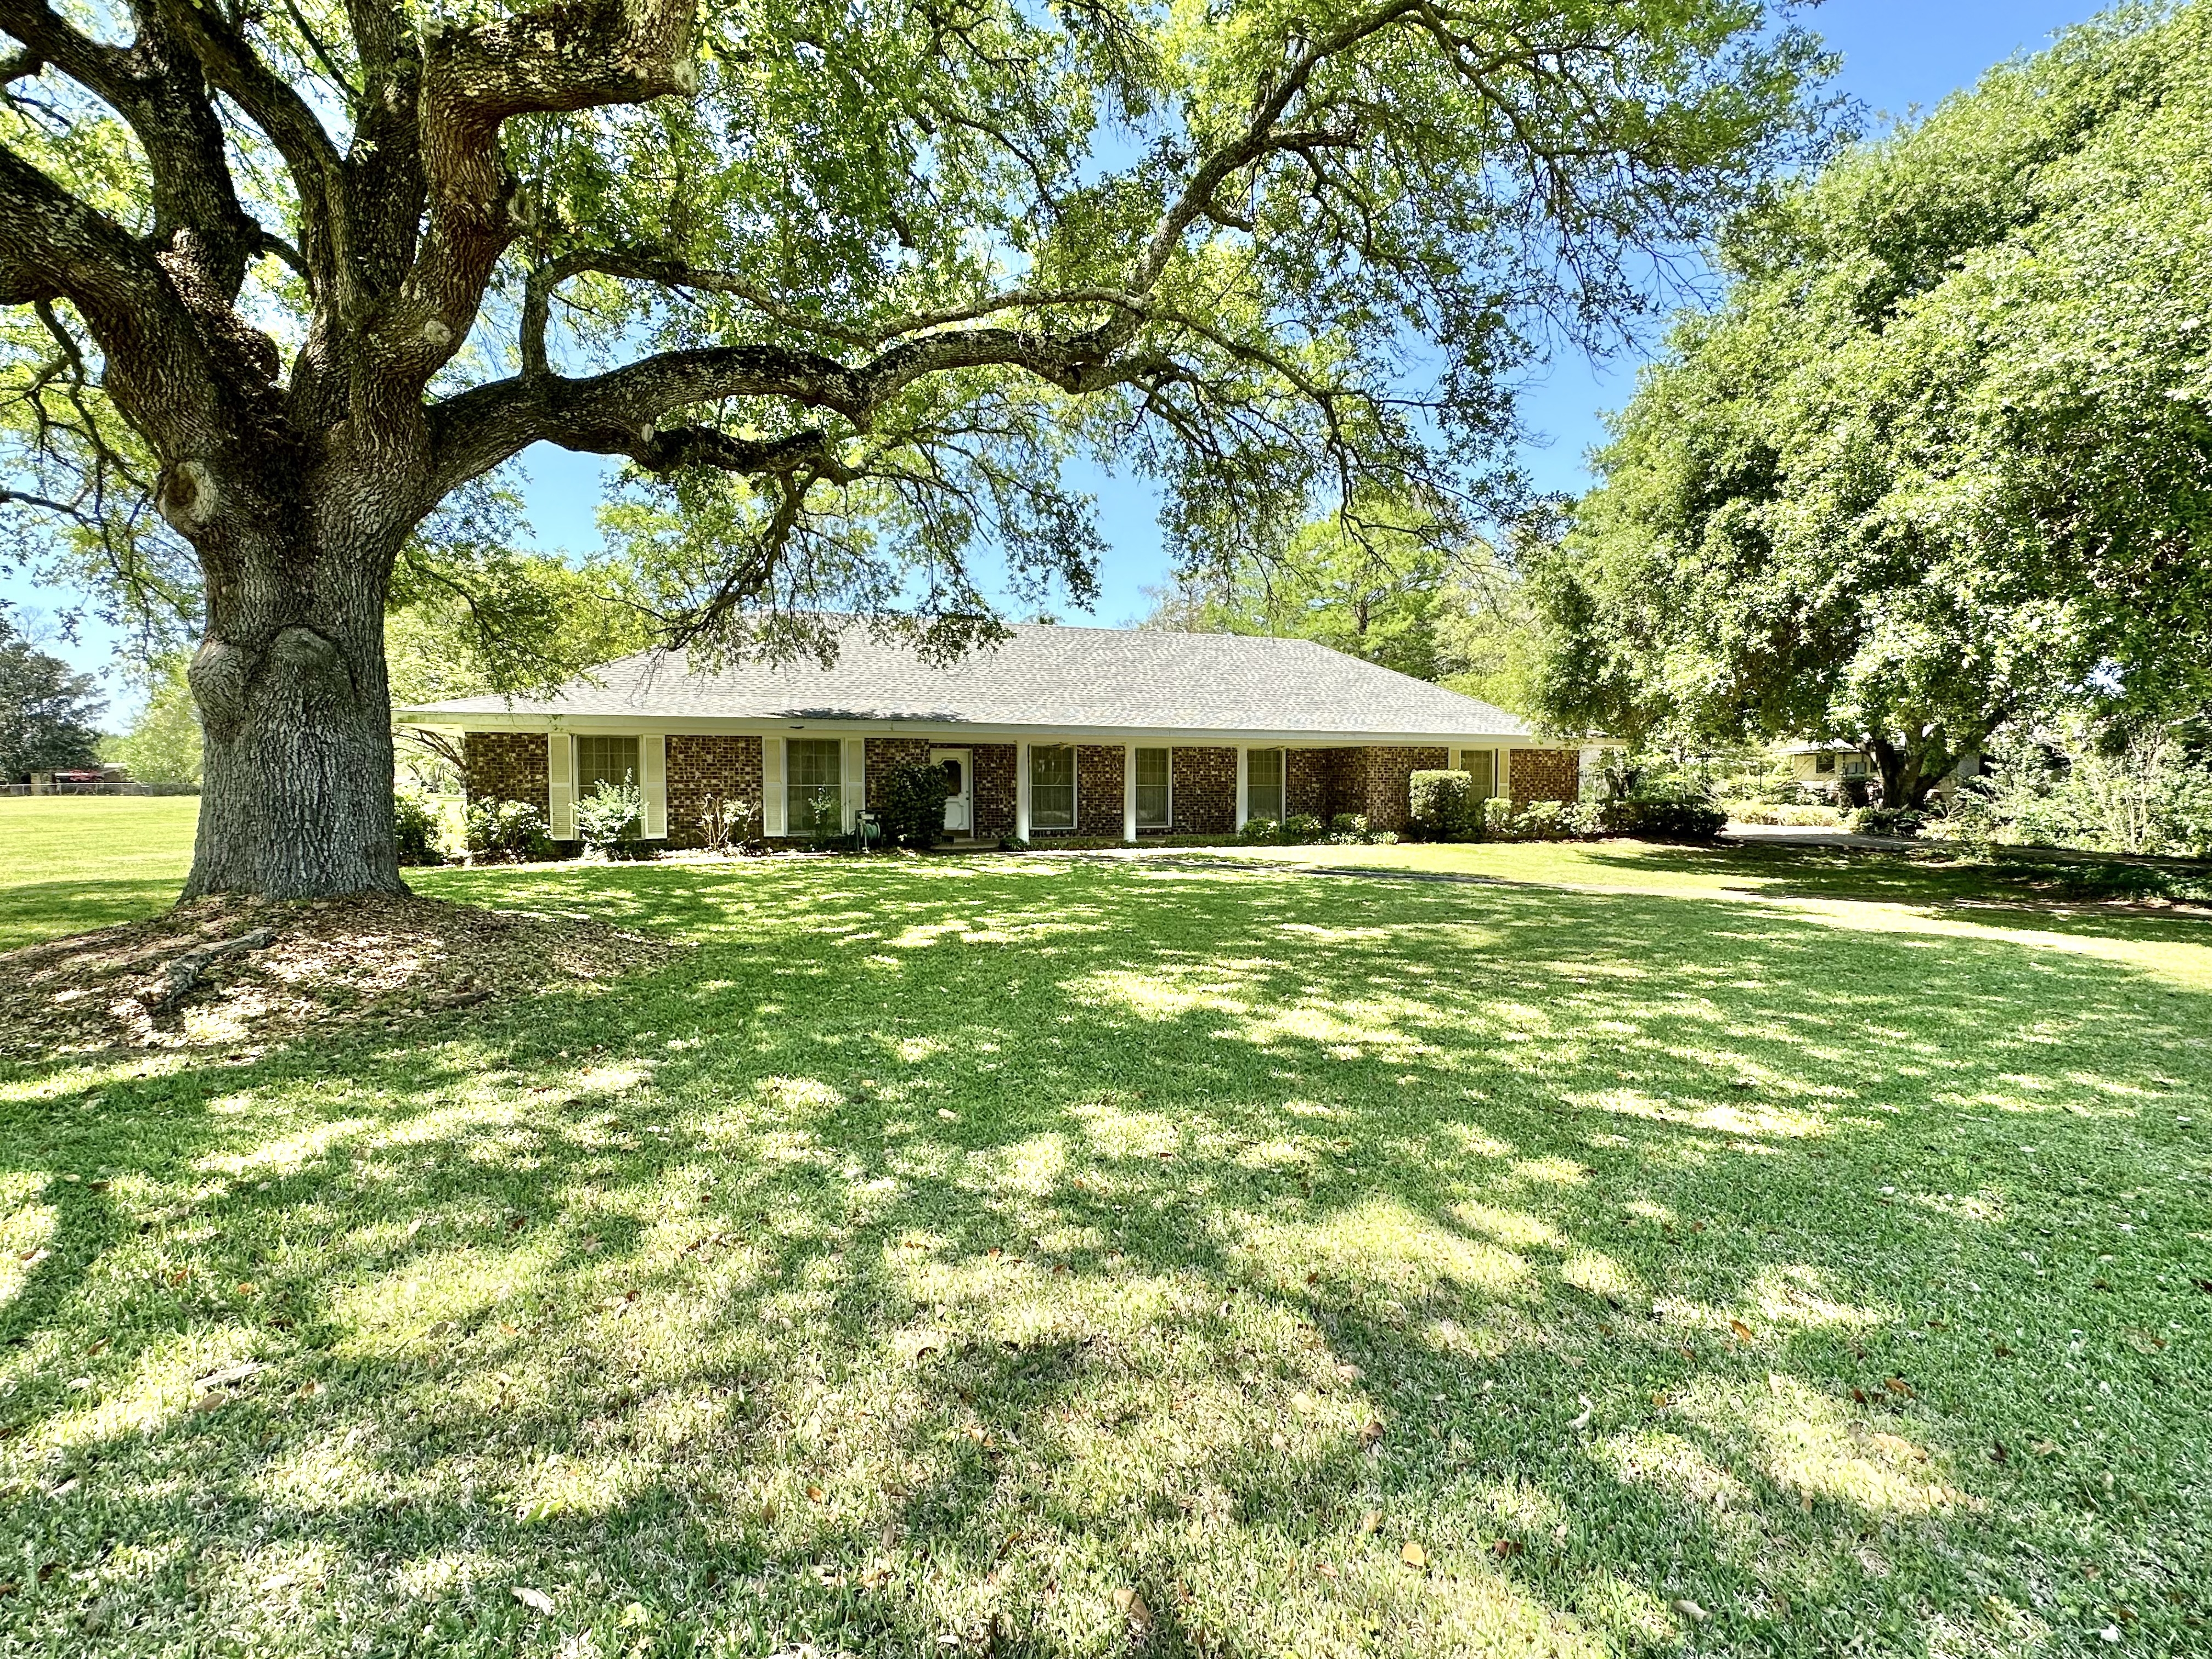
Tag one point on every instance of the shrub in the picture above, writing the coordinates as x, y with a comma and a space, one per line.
1754, 812
2068, 788
1303, 829
415, 828
1350, 829
911, 800
1012, 844
1887, 821
1492, 816
1664, 820
1260, 832
726, 822
1540, 820
508, 830
1438, 805
610, 821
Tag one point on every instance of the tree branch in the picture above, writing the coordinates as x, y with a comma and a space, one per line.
576, 56
155, 86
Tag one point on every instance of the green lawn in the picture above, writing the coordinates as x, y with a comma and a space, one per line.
68, 863
1735, 1260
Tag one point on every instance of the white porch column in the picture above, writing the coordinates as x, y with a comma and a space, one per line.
1021, 792
1506, 773
1243, 786
1129, 792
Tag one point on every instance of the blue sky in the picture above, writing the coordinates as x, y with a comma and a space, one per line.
1899, 55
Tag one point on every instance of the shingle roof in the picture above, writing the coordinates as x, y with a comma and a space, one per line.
1045, 676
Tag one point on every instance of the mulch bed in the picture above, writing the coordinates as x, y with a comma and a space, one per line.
230, 973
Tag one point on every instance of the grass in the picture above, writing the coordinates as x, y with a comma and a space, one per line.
1749, 1258
71, 863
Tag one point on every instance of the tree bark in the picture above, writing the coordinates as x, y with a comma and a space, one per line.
293, 695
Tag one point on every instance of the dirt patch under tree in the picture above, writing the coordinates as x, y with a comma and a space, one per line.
219, 973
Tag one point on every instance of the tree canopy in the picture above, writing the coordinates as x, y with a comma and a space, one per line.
1942, 456
845, 287
49, 712
1376, 587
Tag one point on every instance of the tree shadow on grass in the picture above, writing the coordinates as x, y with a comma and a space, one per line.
933, 1254
1997, 885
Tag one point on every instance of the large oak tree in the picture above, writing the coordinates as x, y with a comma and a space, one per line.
1942, 461
847, 284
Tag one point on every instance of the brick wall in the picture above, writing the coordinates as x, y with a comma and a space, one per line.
994, 790
1205, 791
508, 766
884, 753
1328, 781
1098, 789
1544, 774
1381, 780
700, 765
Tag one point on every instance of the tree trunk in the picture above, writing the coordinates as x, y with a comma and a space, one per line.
1910, 771
296, 705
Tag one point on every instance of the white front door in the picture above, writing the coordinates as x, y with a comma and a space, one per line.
959, 771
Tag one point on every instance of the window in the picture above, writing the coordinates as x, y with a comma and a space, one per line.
1263, 784
1481, 766
1152, 788
813, 785
1052, 786
604, 760
1824, 765
1855, 766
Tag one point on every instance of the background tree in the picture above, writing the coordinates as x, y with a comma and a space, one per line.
48, 713
163, 745
1942, 458
849, 283
1381, 588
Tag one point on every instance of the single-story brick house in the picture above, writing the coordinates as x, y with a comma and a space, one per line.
1090, 732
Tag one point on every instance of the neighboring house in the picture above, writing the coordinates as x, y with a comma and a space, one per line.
1825, 765
1089, 732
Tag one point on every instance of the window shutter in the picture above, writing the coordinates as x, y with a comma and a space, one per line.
774, 802
653, 783
561, 786
852, 775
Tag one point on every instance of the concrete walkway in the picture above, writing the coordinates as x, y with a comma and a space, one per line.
1813, 835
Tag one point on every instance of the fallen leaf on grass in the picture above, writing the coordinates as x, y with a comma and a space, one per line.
230, 1375
1371, 1523
1414, 1555
1898, 1385
814, 1494
1741, 1331
1131, 1606
33, 1257
1506, 1548
1691, 1611
1326, 1571
1371, 1434
536, 1600
1997, 1452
